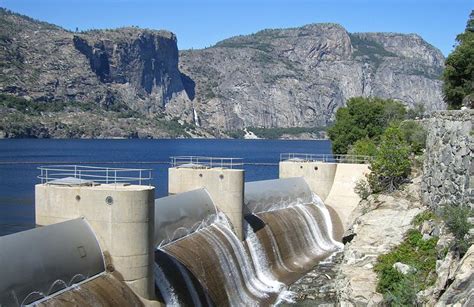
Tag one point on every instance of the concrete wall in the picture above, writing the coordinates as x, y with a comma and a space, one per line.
225, 186
333, 182
318, 175
448, 170
124, 225
342, 197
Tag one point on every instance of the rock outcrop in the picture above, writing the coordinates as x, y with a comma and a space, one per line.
380, 224
300, 76
460, 292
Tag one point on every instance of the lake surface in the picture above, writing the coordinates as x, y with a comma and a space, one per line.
20, 158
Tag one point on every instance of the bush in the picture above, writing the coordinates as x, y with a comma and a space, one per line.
399, 289
391, 165
362, 188
363, 147
456, 219
415, 135
418, 111
404, 291
424, 216
363, 118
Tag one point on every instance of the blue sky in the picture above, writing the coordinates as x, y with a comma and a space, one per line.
202, 23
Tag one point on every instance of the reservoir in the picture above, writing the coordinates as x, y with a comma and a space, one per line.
19, 159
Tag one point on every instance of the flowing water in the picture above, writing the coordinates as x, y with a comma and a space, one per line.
104, 290
255, 272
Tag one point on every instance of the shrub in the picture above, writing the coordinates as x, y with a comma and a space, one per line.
424, 216
391, 165
399, 289
404, 291
362, 188
414, 134
363, 147
456, 219
418, 111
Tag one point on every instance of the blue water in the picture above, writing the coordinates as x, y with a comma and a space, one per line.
20, 158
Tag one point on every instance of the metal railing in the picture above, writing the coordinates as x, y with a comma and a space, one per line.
93, 174
330, 158
206, 162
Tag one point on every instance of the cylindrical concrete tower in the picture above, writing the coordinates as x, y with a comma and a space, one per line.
225, 186
122, 217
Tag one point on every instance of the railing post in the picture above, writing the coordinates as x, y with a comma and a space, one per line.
140, 180
115, 176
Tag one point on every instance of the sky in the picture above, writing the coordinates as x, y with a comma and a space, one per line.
202, 23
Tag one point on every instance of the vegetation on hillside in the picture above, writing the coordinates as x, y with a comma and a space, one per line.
391, 166
23, 118
368, 50
458, 75
456, 219
363, 118
421, 254
381, 129
401, 289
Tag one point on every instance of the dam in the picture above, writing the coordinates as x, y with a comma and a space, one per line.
216, 240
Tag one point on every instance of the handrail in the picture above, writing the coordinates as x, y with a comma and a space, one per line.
95, 174
206, 162
329, 158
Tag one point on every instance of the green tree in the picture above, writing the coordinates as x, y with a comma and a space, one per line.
363, 118
458, 74
391, 165
414, 134
363, 147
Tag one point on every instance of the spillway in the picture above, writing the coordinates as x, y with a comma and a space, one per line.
288, 231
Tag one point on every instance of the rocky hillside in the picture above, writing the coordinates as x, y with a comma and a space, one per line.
272, 79
114, 69
300, 76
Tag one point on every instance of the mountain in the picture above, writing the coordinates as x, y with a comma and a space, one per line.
300, 76
132, 82
132, 66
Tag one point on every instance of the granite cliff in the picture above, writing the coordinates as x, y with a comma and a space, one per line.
272, 79
300, 76
127, 66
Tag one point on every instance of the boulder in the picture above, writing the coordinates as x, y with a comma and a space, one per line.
404, 268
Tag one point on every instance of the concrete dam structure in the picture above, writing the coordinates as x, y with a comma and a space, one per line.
215, 241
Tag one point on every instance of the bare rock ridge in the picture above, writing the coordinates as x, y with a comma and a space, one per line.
275, 78
300, 76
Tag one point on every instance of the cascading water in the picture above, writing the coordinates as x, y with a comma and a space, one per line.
254, 272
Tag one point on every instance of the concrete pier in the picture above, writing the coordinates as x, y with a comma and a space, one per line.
333, 182
121, 216
318, 175
224, 185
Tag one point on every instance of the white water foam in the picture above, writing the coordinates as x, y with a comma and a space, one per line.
167, 291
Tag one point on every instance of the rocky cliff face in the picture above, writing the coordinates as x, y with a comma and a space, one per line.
275, 78
112, 68
300, 76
